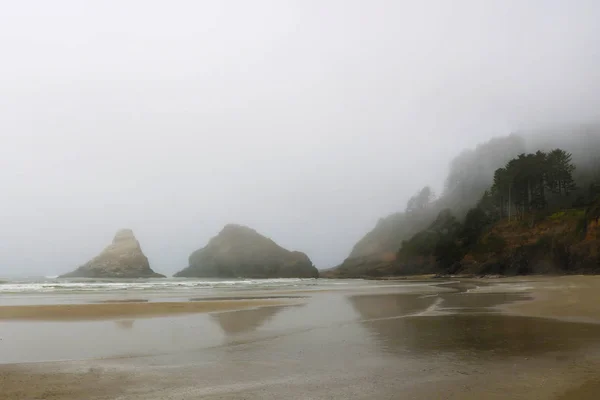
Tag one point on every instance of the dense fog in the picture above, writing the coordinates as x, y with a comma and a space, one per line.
307, 121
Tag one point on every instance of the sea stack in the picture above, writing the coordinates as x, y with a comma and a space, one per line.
121, 259
241, 252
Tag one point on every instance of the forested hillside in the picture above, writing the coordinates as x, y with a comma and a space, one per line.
539, 186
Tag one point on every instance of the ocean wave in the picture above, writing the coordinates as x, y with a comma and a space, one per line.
94, 285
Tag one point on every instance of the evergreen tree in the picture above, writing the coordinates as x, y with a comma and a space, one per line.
560, 172
521, 185
421, 200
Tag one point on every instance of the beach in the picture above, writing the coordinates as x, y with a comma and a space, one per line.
523, 338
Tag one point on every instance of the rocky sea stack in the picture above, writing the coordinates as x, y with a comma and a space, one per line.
240, 252
122, 259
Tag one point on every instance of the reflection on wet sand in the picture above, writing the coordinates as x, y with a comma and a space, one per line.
401, 304
121, 301
484, 335
228, 298
125, 323
480, 331
241, 321
483, 302
390, 305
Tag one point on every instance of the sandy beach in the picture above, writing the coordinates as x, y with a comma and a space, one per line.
574, 298
127, 309
534, 338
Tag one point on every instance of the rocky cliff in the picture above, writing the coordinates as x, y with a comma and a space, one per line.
121, 259
564, 242
240, 252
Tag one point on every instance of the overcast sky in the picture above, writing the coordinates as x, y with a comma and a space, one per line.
306, 120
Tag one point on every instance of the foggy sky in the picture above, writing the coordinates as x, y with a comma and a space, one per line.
306, 120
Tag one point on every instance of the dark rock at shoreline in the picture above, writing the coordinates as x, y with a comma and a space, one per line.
241, 252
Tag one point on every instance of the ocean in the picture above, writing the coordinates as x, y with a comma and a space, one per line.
57, 285
53, 290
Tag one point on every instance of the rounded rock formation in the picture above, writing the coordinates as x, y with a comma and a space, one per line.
241, 252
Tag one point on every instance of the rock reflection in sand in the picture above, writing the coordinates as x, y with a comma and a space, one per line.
390, 305
242, 321
125, 324
477, 333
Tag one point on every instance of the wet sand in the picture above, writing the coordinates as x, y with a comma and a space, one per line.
31, 382
129, 308
488, 339
588, 391
575, 298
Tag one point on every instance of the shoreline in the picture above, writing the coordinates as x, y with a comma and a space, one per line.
450, 276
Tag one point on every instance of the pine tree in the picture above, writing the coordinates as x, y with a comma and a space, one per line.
521, 185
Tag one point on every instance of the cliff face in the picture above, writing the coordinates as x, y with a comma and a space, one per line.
121, 259
240, 252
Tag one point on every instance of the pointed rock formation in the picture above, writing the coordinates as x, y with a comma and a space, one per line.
240, 252
122, 259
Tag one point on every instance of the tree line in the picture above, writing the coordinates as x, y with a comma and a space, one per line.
528, 182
